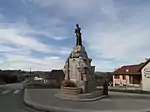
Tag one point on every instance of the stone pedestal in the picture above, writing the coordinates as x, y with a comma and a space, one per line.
79, 70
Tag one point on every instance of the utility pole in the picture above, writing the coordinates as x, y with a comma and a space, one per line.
127, 71
30, 70
126, 82
68, 70
30, 74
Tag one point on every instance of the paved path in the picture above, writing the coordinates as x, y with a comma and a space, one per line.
116, 102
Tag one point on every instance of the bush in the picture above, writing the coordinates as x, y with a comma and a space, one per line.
37, 86
40, 85
68, 83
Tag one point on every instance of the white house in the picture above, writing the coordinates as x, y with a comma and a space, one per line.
131, 75
146, 76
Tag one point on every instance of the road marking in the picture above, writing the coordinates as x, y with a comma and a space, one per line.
6, 91
16, 91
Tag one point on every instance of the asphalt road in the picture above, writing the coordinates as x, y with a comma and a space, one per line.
11, 99
116, 102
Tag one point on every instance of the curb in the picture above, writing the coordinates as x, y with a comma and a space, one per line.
140, 92
55, 109
77, 98
132, 95
84, 100
38, 107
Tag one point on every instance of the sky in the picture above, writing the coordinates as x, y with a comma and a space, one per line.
39, 34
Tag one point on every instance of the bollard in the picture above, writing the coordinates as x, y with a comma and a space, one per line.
105, 88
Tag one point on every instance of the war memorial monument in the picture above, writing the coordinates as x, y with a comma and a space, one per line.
79, 82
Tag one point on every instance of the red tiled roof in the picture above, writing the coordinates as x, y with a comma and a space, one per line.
130, 69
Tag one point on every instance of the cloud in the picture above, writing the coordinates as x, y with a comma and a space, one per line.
12, 36
22, 35
79, 9
25, 62
1, 16
114, 33
17, 46
128, 42
66, 4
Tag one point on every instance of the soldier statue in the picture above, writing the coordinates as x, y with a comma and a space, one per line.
78, 35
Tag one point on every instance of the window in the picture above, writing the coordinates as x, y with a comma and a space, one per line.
116, 76
127, 70
124, 77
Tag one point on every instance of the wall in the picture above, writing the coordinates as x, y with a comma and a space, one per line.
145, 80
120, 81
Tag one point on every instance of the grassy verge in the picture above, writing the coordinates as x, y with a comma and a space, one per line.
130, 91
40, 86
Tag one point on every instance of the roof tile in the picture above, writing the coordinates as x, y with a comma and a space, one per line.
129, 69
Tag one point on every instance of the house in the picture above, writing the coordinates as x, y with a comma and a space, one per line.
137, 75
55, 77
145, 70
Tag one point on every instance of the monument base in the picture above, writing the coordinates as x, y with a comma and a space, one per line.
92, 96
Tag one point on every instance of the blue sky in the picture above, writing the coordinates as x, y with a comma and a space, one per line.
39, 34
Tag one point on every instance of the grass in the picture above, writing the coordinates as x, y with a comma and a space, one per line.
40, 85
130, 91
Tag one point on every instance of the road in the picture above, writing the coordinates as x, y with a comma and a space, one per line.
11, 99
116, 102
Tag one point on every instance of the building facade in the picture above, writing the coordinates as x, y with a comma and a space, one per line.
137, 75
146, 77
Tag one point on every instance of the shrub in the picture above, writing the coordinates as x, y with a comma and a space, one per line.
40, 85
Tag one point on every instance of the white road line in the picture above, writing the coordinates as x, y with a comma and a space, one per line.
6, 91
16, 91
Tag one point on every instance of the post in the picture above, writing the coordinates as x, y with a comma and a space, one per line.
133, 81
105, 88
68, 70
30, 70
30, 74
114, 80
126, 82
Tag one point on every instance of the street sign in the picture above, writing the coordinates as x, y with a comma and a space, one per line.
147, 72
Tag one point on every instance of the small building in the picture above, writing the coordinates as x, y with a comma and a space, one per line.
137, 75
55, 77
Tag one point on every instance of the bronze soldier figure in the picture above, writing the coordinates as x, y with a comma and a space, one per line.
78, 35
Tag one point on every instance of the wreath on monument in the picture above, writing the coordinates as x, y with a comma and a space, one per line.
68, 83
